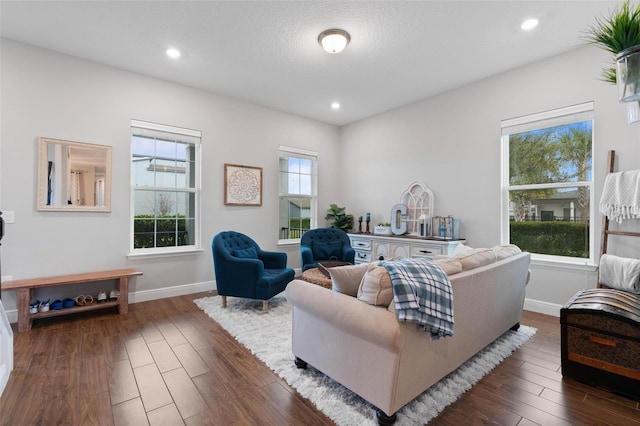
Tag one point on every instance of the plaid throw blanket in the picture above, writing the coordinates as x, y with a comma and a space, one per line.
422, 294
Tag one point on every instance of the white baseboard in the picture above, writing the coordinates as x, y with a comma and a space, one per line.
542, 307
178, 290
147, 295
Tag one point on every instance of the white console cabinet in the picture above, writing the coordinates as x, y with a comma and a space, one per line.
371, 247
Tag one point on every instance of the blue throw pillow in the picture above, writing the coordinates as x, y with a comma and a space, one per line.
327, 250
248, 253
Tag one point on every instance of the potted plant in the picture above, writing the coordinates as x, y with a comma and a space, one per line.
382, 229
340, 219
619, 34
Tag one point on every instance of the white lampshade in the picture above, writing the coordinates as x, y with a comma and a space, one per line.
334, 40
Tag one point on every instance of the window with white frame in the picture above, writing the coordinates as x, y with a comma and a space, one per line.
297, 192
165, 188
547, 183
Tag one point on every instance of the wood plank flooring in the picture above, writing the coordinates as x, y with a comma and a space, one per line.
168, 363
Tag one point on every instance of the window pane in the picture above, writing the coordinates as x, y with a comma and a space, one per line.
166, 232
305, 166
296, 186
144, 232
294, 165
305, 185
550, 155
295, 217
144, 203
165, 204
142, 147
294, 183
551, 221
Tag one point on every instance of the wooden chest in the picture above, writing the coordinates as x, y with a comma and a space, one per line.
600, 332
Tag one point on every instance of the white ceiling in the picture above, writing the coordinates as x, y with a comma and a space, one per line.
267, 52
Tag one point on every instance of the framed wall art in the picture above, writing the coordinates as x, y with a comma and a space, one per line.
242, 185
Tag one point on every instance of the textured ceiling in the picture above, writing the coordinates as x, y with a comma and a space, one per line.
267, 52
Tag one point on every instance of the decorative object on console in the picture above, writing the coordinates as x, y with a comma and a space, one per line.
368, 220
446, 227
382, 229
619, 34
341, 220
419, 201
242, 185
359, 224
399, 219
424, 225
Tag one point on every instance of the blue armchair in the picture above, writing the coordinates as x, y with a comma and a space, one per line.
325, 244
243, 269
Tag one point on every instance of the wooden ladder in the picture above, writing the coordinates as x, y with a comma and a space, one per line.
605, 221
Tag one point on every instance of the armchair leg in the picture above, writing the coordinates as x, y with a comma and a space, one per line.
224, 301
265, 306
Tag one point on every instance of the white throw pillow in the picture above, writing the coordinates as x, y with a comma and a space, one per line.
460, 249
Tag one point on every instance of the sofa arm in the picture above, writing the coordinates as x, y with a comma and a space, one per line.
372, 323
306, 255
348, 254
273, 259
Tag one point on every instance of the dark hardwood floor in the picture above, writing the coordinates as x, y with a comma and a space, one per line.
167, 363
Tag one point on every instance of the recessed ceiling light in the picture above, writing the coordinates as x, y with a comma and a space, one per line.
335, 105
173, 53
529, 24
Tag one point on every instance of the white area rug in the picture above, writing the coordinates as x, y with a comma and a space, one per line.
268, 336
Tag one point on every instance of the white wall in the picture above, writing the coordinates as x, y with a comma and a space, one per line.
451, 142
44, 93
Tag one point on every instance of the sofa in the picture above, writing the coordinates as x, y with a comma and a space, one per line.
389, 363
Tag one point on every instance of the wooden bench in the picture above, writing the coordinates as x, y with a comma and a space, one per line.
25, 290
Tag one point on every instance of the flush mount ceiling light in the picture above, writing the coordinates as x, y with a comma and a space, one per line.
335, 105
173, 53
334, 40
529, 24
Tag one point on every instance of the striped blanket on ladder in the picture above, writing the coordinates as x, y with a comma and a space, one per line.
422, 294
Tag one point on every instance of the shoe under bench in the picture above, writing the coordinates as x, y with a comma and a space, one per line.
25, 289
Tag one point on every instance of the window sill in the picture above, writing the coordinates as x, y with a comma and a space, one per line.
579, 265
288, 242
157, 254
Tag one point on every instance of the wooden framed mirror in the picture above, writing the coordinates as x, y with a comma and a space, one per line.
73, 176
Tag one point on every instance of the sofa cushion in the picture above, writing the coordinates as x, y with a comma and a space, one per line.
460, 249
506, 250
248, 253
449, 266
347, 279
476, 258
325, 250
375, 288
